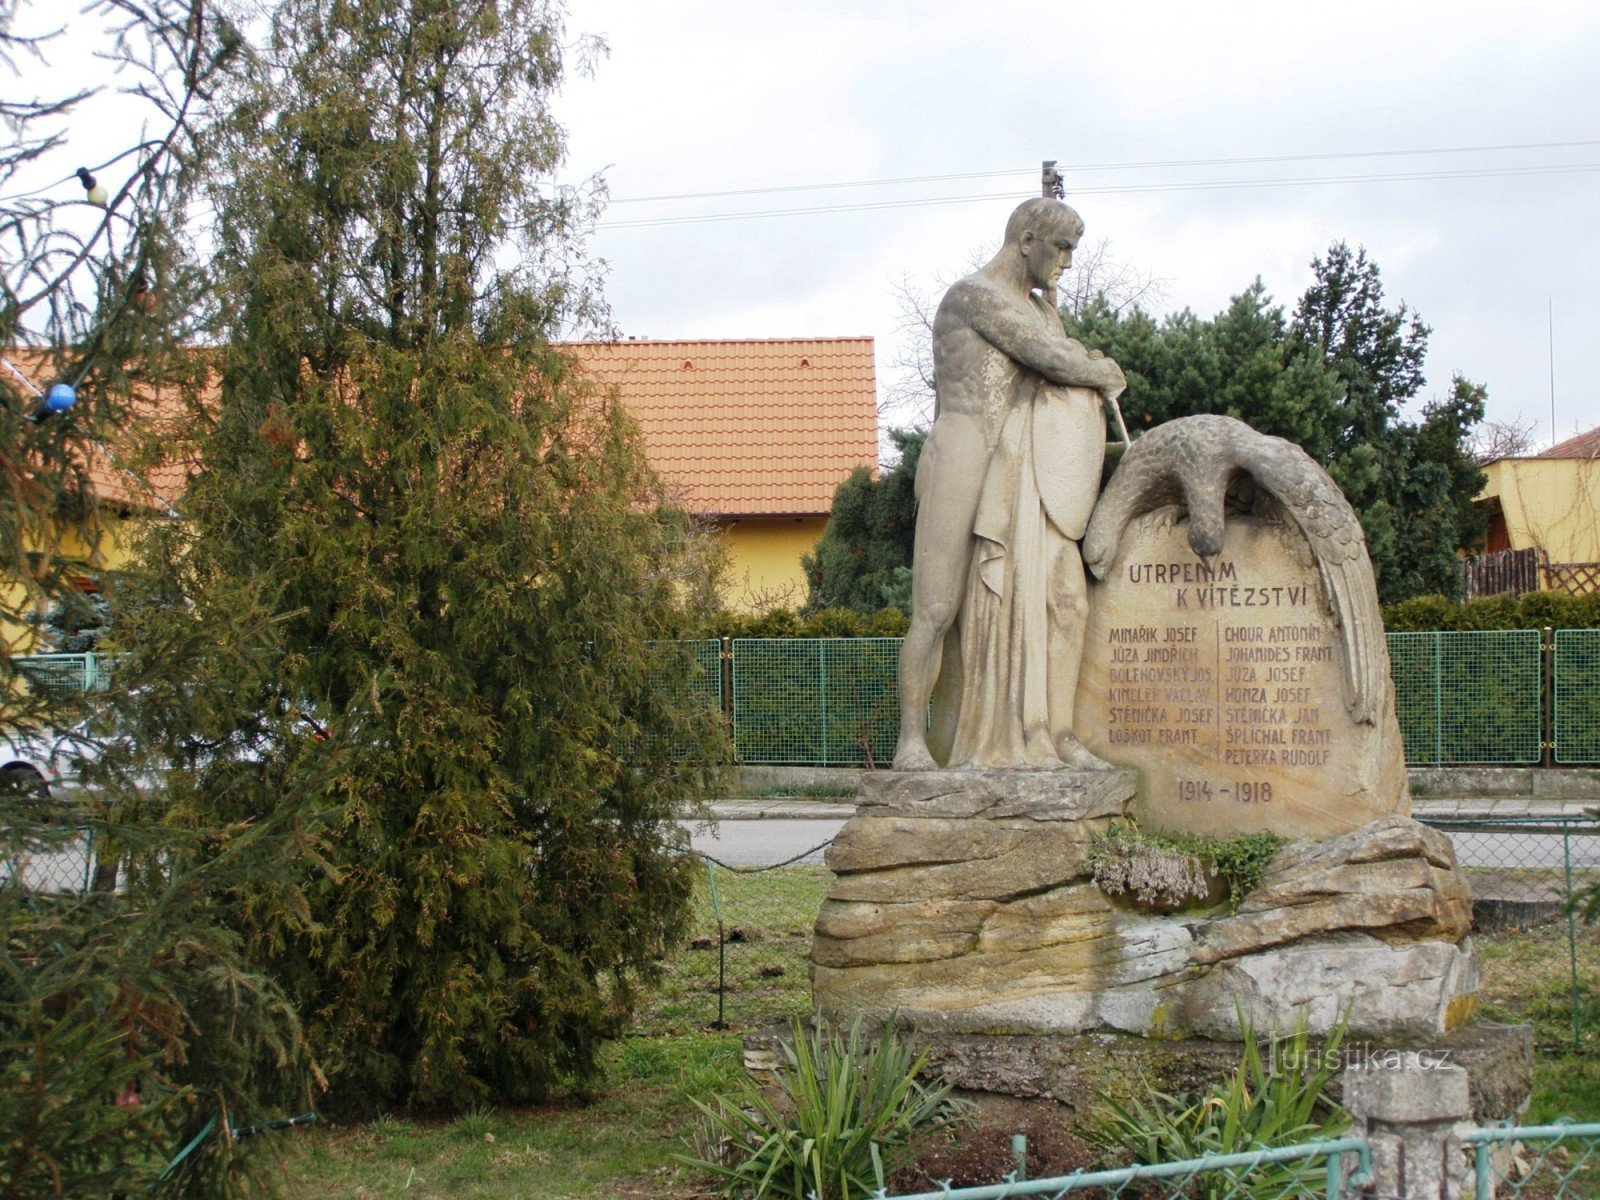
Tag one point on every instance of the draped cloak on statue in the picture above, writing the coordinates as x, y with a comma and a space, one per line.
1021, 620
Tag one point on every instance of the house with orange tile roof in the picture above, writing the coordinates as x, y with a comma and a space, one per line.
754, 436
1550, 503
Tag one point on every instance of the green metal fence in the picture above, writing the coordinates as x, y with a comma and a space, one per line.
703, 679
1547, 1162
1462, 698
1302, 1172
66, 672
1576, 695
1470, 697
827, 702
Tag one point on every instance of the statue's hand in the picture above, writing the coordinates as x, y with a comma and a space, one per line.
1115, 383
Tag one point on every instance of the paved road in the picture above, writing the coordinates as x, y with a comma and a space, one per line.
763, 842
1518, 850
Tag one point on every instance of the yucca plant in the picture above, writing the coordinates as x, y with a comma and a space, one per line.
1275, 1099
846, 1108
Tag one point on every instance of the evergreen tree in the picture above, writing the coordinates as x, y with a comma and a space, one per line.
863, 559
130, 1027
1334, 380
1377, 352
1412, 483
1242, 362
424, 575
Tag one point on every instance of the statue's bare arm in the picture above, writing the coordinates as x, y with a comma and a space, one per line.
1018, 334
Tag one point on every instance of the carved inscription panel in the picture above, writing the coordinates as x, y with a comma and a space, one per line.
1221, 684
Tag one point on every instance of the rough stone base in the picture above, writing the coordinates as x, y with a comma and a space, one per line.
964, 902
1074, 1071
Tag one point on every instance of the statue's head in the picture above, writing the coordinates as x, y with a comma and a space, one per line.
1044, 232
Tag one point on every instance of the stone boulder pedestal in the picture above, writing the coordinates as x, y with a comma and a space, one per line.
965, 902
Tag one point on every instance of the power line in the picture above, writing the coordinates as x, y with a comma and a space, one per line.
1123, 166
1111, 190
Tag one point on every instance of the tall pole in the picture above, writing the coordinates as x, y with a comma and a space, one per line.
1550, 318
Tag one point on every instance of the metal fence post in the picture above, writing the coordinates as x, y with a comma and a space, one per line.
1547, 698
722, 947
1438, 697
1572, 936
822, 690
1407, 1111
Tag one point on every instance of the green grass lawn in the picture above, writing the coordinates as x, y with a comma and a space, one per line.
1528, 977
766, 920
620, 1144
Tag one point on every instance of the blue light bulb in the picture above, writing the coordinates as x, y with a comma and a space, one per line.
61, 397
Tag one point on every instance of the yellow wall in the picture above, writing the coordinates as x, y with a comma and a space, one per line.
1552, 503
763, 565
105, 548
764, 560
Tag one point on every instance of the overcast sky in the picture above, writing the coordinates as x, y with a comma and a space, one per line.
713, 95
716, 95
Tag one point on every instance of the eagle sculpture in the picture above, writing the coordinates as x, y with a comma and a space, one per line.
1207, 464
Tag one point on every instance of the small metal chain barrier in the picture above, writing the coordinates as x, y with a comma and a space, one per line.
747, 960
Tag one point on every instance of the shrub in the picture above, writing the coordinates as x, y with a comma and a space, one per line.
827, 622
1533, 610
848, 1106
1270, 1100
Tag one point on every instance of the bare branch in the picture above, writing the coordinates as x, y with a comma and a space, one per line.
1503, 439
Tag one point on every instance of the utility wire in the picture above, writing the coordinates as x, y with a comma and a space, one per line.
1109, 190
1033, 171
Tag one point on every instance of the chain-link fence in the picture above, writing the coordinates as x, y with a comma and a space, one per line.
1539, 1162
55, 862
1302, 1172
1540, 962
44, 848
1546, 1162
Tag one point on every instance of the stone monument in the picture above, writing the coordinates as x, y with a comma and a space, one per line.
1236, 653
1225, 673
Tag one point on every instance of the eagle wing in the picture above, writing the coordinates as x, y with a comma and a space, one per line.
1316, 506
1195, 457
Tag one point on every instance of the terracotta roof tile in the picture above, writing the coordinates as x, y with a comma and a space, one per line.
113, 483
748, 428
1585, 445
